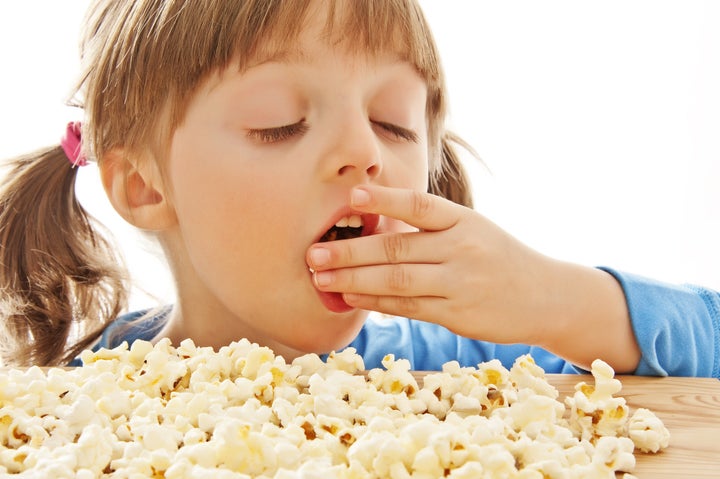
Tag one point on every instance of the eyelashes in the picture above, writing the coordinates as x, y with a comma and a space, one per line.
278, 134
397, 132
287, 132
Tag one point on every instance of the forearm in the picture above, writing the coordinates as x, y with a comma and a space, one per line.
587, 318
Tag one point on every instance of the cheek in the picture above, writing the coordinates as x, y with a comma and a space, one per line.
411, 169
411, 172
231, 209
230, 221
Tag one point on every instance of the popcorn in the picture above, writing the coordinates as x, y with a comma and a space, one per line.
525, 374
242, 412
595, 411
647, 432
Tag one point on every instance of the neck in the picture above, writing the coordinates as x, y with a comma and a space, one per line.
214, 331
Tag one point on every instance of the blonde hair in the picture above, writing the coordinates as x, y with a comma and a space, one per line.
142, 61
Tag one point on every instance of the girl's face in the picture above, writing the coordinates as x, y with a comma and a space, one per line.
261, 168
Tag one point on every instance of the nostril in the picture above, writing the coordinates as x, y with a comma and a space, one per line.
372, 170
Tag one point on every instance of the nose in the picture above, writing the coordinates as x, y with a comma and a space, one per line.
355, 154
368, 166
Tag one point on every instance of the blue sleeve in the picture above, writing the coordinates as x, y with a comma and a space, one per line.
677, 327
428, 346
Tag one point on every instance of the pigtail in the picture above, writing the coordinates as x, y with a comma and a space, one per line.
451, 180
60, 281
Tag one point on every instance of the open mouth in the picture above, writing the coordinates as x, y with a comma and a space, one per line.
346, 228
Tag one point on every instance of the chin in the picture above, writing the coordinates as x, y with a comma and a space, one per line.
322, 339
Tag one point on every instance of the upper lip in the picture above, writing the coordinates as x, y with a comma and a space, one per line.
370, 221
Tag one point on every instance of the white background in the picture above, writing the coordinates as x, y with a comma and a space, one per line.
599, 122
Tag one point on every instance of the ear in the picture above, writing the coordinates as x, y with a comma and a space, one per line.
135, 189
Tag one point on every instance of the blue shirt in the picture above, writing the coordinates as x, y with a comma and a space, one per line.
677, 329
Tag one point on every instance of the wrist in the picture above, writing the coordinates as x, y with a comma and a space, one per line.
587, 317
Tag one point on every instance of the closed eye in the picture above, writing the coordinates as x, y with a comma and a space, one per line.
397, 132
278, 134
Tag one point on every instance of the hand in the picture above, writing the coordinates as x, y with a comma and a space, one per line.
459, 270
463, 272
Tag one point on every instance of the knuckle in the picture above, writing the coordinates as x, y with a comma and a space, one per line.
398, 278
406, 306
395, 245
349, 280
347, 253
421, 204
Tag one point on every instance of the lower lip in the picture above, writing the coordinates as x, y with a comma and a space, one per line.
334, 302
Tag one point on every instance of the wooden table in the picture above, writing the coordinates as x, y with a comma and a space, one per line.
690, 409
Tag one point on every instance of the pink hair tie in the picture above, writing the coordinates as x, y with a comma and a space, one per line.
71, 144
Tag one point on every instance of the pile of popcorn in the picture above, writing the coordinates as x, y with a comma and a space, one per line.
242, 412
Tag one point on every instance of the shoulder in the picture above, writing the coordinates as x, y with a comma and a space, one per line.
137, 325
144, 325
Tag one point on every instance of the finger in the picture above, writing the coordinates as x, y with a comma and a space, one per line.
422, 210
383, 280
386, 248
421, 308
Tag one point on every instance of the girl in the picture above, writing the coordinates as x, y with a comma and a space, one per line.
292, 160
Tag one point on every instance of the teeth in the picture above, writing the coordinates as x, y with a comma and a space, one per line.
353, 221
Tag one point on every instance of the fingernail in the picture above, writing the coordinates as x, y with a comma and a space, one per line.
319, 257
350, 298
323, 278
359, 197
